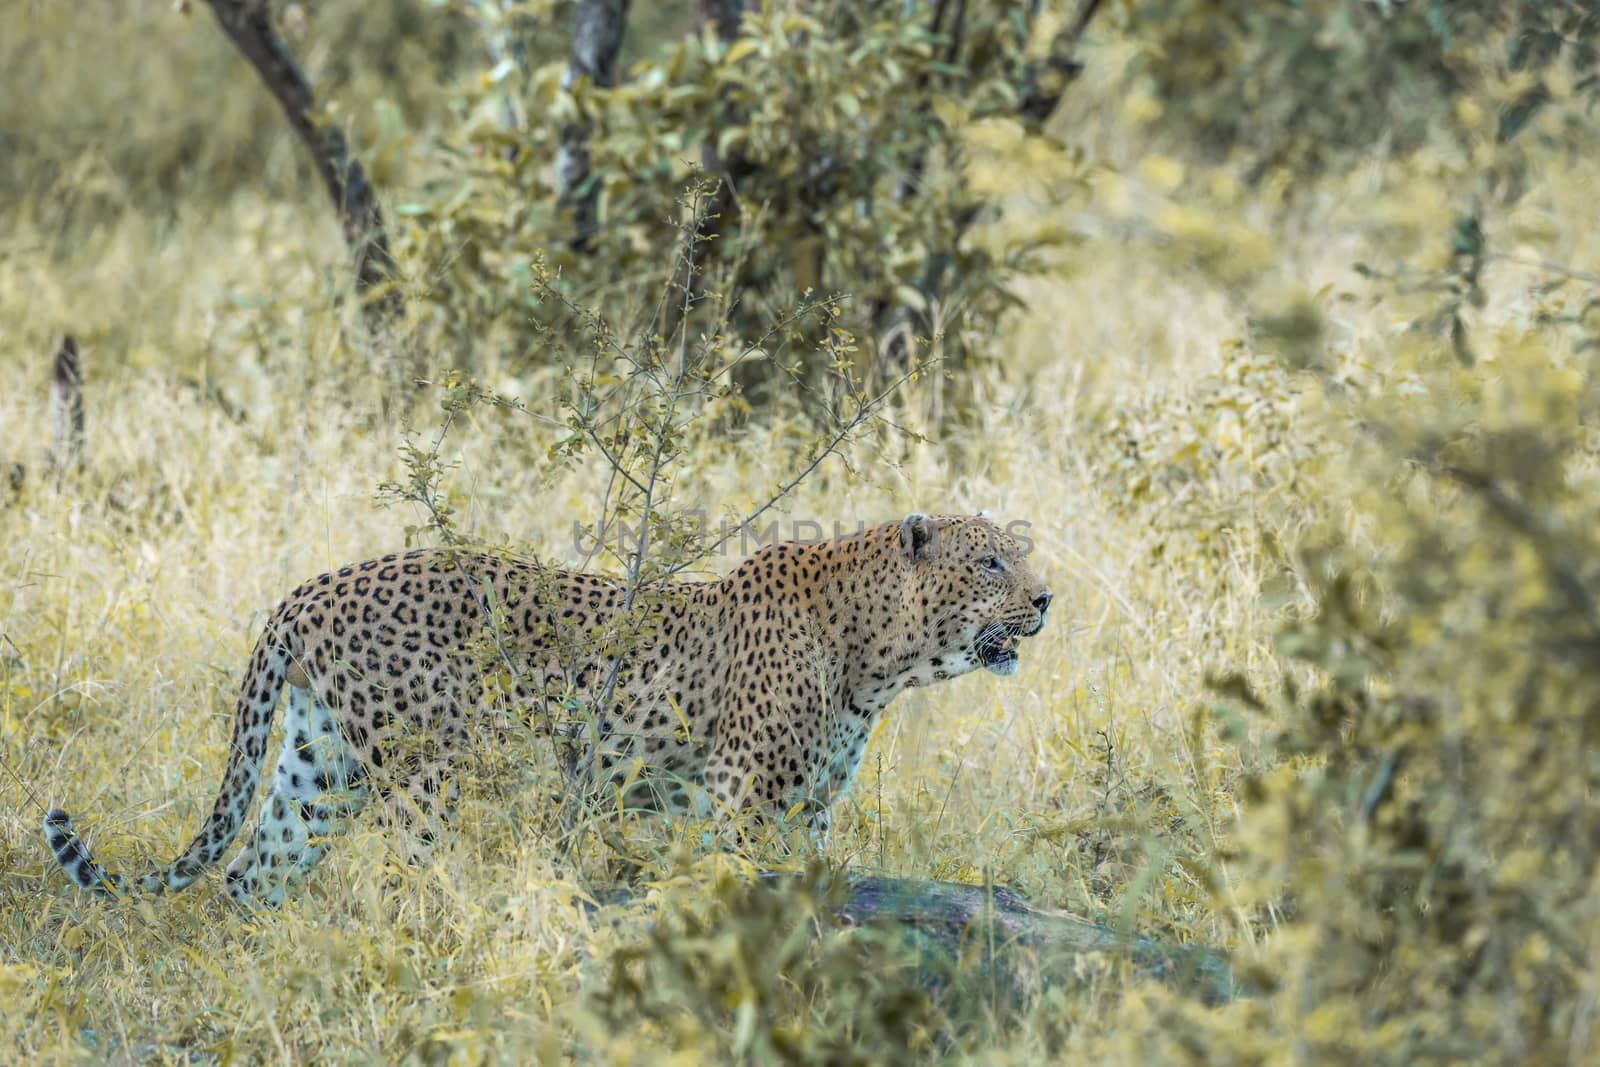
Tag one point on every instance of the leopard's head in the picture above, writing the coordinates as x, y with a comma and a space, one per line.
970, 591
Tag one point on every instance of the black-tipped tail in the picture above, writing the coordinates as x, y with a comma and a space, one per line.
73, 855
252, 723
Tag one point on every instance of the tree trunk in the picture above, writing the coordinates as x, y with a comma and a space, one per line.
1046, 82
248, 24
595, 45
66, 409
1049, 77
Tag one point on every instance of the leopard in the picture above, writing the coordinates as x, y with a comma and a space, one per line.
751, 694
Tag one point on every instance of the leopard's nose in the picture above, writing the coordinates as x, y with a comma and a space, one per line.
1042, 601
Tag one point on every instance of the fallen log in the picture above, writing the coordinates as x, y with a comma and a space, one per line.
952, 926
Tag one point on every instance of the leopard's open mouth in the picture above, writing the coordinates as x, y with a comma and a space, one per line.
996, 645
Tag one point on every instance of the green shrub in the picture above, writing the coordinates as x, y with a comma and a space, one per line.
847, 129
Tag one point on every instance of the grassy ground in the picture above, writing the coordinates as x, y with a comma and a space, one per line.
132, 595
234, 448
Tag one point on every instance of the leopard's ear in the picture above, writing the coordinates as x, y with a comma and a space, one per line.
919, 537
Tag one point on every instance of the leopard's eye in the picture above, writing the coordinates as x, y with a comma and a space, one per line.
992, 564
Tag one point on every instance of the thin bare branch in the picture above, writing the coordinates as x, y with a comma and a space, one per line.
841, 435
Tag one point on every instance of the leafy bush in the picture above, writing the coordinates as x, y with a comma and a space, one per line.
748, 972
843, 130
1428, 801
1324, 84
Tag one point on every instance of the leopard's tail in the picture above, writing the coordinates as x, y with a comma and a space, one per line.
258, 702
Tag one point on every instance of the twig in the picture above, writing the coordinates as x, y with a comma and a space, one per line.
864, 414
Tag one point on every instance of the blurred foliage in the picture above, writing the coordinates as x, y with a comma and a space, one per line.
1331, 82
1422, 829
740, 972
849, 128
1413, 845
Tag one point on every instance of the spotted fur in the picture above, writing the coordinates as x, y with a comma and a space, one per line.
755, 691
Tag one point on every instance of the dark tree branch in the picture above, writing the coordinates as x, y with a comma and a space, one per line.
248, 24
958, 30
1045, 83
724, 15
912, 179
595, 45
1048, 79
